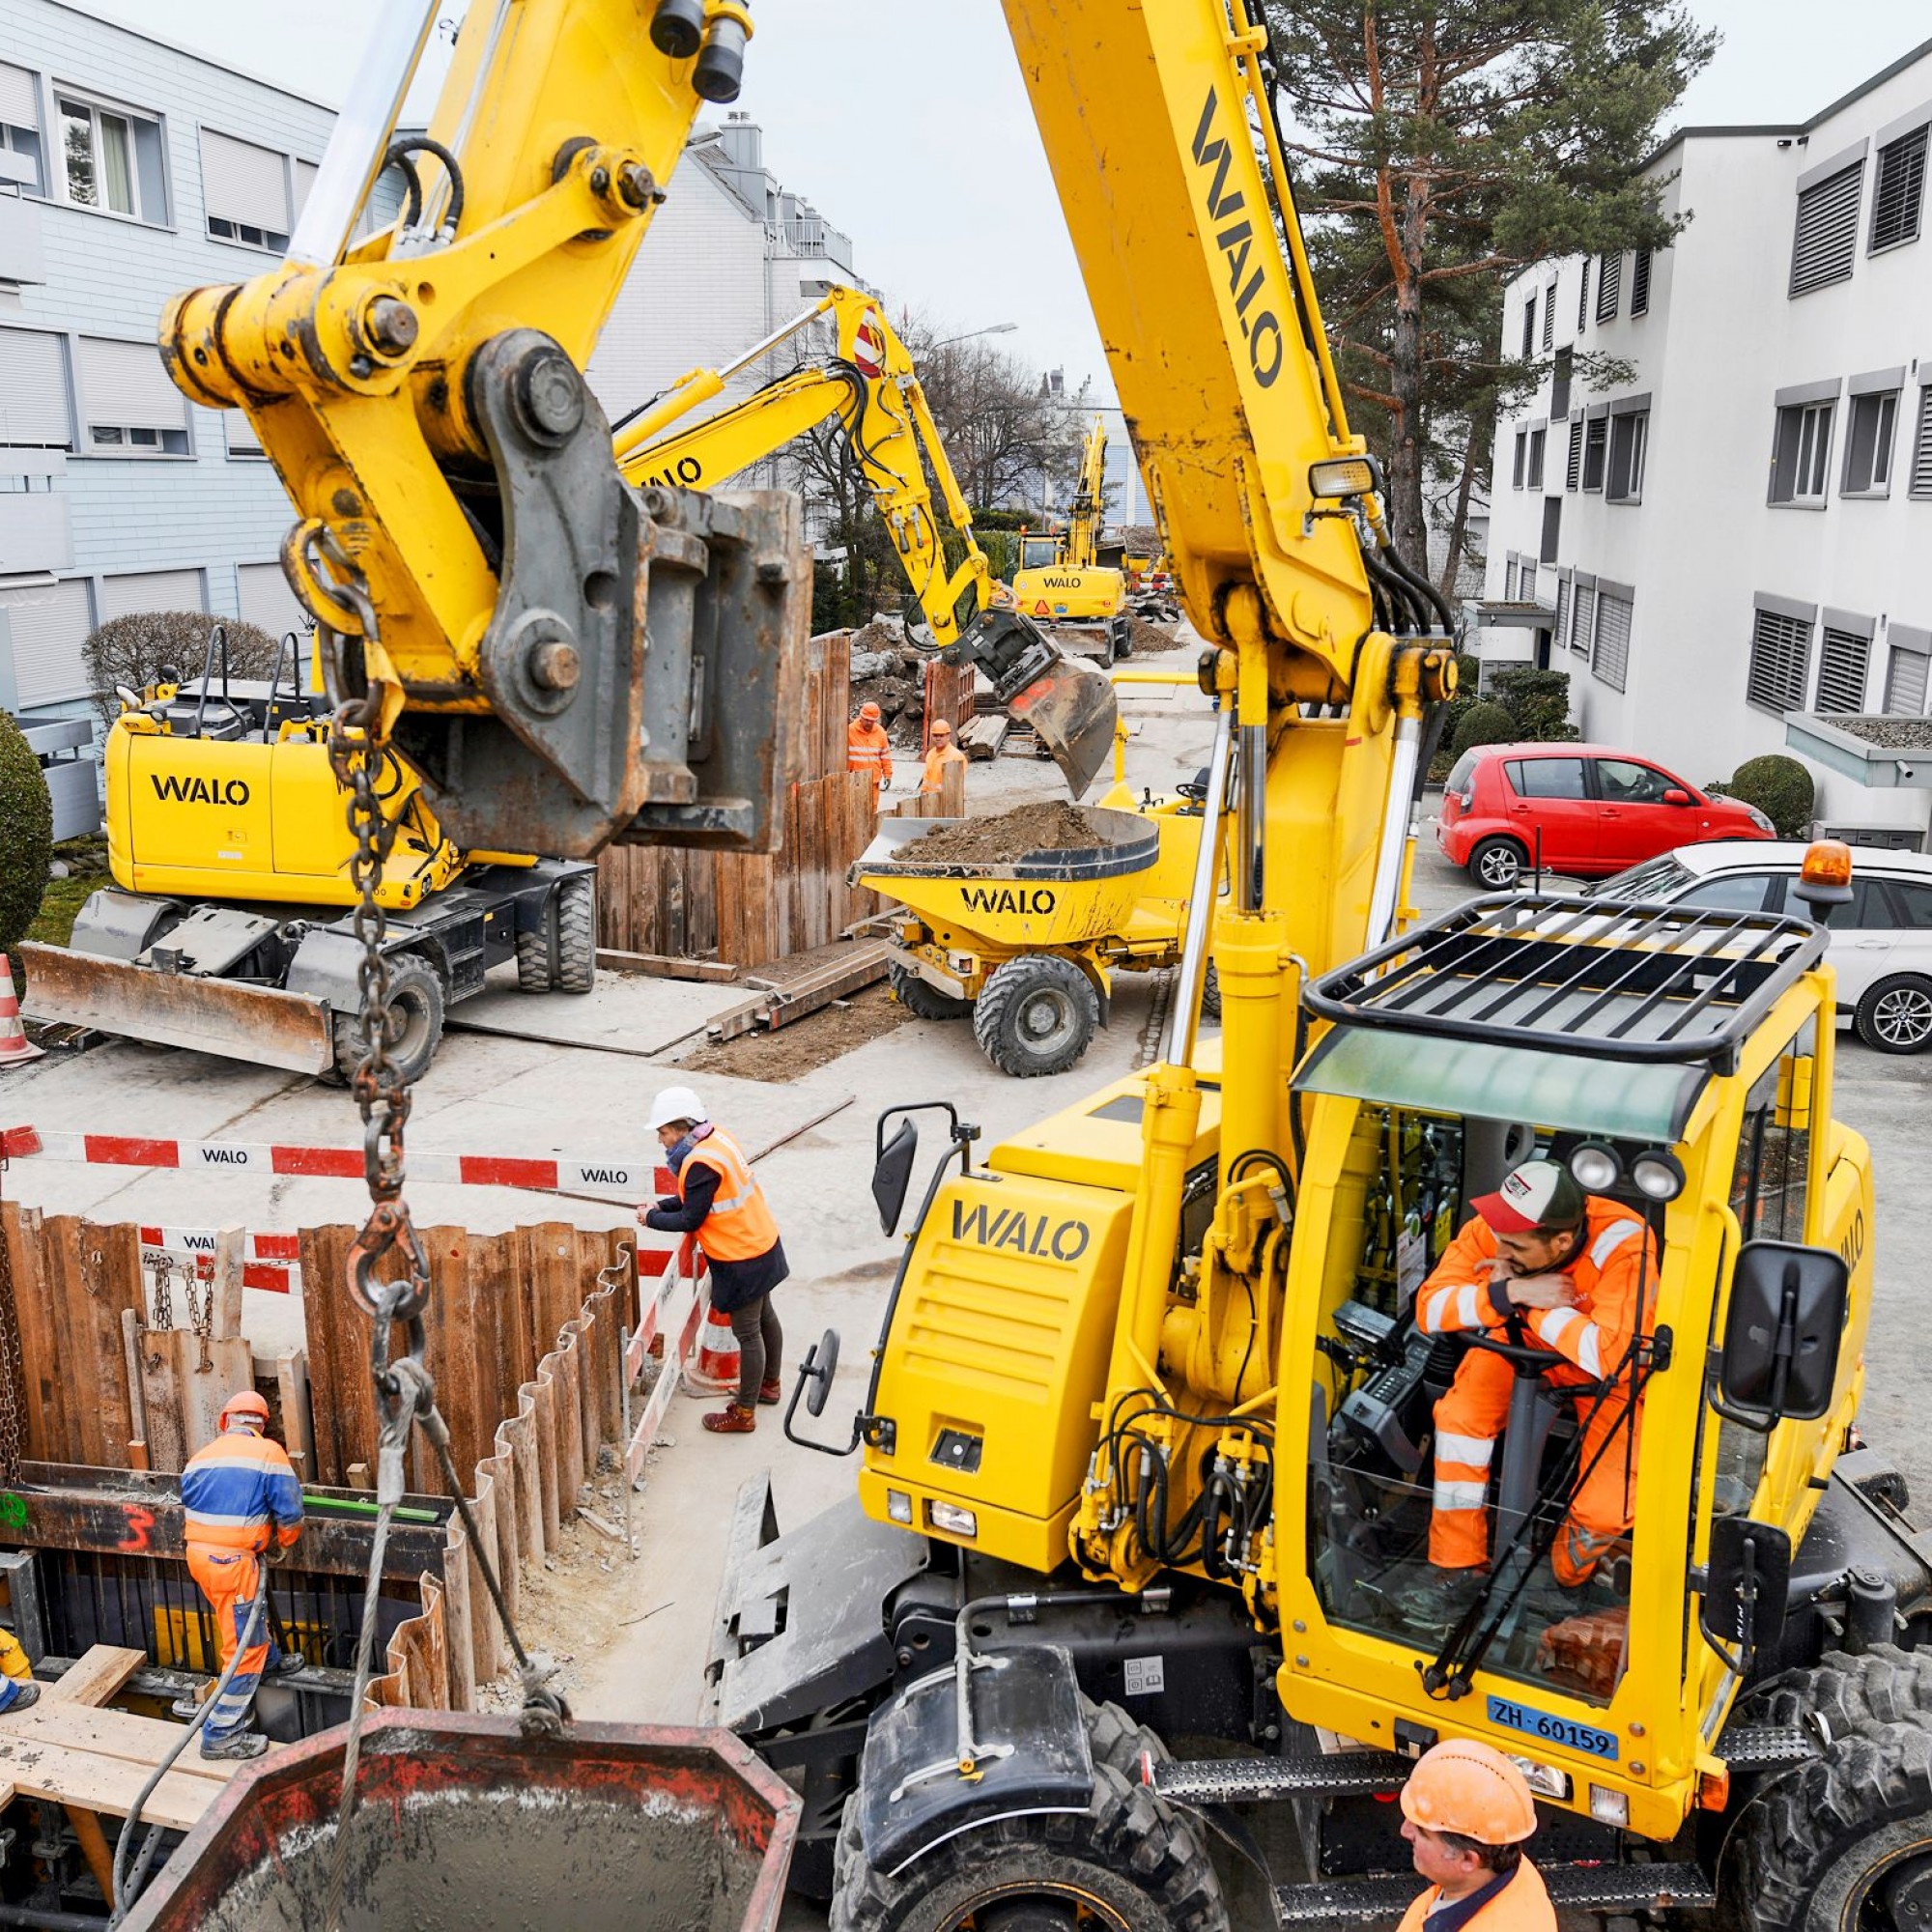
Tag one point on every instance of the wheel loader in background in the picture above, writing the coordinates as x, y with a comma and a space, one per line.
1146, 1437
227, 926
1060, 581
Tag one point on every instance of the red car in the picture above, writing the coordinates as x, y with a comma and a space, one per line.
1594, 809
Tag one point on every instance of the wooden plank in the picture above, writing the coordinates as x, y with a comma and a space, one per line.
297, 1420
161, 1401
113, 1734
660, 966
66, 1777
24, 1232
95, 1675
204, 1390
225, 1298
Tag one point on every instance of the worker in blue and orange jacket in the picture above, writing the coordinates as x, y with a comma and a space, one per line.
238, 1494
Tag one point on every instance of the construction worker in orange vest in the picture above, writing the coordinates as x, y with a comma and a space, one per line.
719, 1201
1549, 1266
944, 752
867, 749
1467, 1811
239, 1494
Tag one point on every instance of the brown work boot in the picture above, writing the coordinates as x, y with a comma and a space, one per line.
771, 1391
732, 1419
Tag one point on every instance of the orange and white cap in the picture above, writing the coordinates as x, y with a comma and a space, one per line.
1538, 1194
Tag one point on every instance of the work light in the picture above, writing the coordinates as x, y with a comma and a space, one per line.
1658, 1175
1596, 1167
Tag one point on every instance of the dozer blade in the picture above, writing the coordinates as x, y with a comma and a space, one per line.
1072, 711
274, 1028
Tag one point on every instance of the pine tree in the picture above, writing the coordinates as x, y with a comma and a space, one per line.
1438, 150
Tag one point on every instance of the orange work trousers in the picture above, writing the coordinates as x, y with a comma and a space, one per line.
229, 1580
1468, 1425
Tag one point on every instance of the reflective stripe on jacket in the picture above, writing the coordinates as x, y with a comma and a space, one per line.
1523, 1904
740, 1222
867, 749
235, 1487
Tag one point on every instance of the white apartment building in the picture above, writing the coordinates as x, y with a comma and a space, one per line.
1741, 528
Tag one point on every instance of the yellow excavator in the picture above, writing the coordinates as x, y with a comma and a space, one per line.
1148, 1444
1061, 581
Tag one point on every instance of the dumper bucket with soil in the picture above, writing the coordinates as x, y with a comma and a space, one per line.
464, 1825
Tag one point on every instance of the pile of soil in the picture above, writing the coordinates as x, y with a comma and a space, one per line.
792, 1051
1151, 639
1051, 826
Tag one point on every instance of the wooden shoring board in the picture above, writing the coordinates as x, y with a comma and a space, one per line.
96, 1675
182, 1399
33, 1767
121, 1735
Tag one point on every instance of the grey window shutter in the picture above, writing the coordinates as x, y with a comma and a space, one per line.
33, 389
1562, 608
243, 182
1549, 315
1900, 192
1842, 661
1780, 657
1611, 662
240, 434
266, 599
150, 591
123, 384
1905, 682
1583, 623
1574, 475
49, 624
1640, 282
304, 181
1921, 446
19, 100
1609, 288
1827, 239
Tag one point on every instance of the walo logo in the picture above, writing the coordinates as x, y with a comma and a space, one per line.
1263, 329
176, 789
1024, 1233
1004, 899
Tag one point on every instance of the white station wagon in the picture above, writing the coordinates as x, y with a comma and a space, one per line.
1881, 943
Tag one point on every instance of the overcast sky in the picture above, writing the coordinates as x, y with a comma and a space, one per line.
921, 146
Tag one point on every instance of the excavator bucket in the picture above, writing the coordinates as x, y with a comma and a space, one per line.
240, 1022
1072, 709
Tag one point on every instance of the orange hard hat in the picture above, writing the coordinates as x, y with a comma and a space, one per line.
244, 1401
869, 712
1471, 1789
941, 729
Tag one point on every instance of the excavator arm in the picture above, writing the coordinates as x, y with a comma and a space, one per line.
1083, 529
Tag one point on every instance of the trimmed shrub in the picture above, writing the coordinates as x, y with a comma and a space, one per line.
1780, 788
135, 649
1539, 700
1483, 723
26, 834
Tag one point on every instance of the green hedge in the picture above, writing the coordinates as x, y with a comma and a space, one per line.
26, 834
1483, 723
1780, 788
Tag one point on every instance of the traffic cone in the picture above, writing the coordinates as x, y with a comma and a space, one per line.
715, 1370
14, 1045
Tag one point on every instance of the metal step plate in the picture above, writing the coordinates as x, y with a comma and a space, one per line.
1765, 1746
1579, 1888
1249, 1780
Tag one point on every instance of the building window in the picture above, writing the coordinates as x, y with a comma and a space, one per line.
1920, 484
1595, 440
1905, 676
1583, 619
1525, 591
1803, 447
1534, 474
1828, 230
238, 434
1610, 287
128, 405
1549, 315
1868, 444
1521, 456
1843, 658
1640, 282
1530, 326
1583, 297
1558, 631
1900, 192
113, 160
1780, 659
34, 410
1553, 525
1509, 581
1610, 660
1559, 380
1572, 473
1630, 434
245, 189
20, 128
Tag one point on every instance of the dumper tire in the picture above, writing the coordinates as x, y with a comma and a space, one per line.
577, 933
416, 999
534, 961
1134, 1863
1035, 1016
1814, 1842
922, 1000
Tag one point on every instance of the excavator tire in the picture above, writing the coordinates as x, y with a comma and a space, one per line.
924, 1002
1846, 1838
1129, 1863
1035, 1016
577, 933
533, 974
417, 1007
1210, 994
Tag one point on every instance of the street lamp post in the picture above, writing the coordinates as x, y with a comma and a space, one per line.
992, 328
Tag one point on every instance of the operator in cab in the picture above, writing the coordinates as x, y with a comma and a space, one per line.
944, 752
719, 1200
1544, 1266
1467, 1811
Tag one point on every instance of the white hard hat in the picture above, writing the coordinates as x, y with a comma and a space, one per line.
676, 1104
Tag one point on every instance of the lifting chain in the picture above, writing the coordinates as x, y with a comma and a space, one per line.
13, 1375
161, 1291
405, 1389
201, 1314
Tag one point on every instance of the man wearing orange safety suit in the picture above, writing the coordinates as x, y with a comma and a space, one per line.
1566, 1272
867, 749
944, 752
237, 1494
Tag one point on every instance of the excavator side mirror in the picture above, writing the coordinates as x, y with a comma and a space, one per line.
1746, 1588
1781, 1334
892, 1173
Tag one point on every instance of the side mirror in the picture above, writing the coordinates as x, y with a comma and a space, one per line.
1781, 1336
1746, 1589
820, 1365
1677, 795
892, 1175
